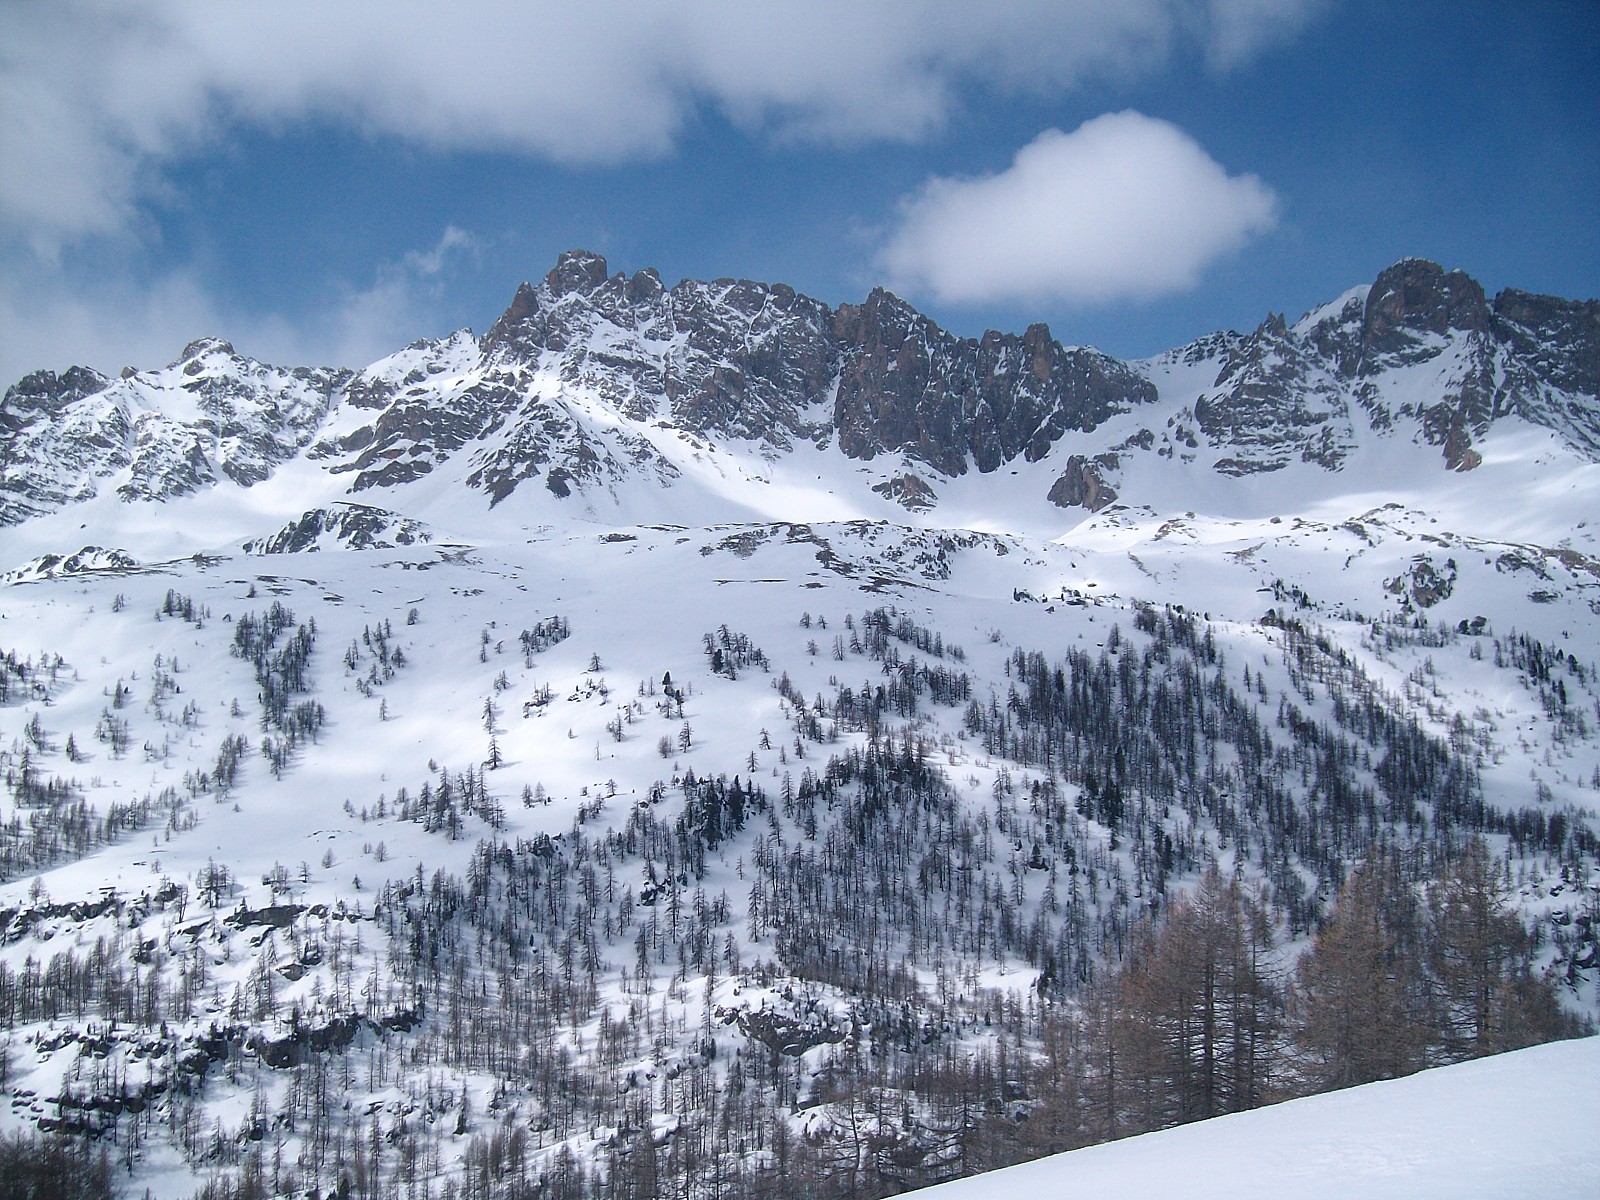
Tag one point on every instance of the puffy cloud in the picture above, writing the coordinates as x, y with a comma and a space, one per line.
100, 95
1124, 207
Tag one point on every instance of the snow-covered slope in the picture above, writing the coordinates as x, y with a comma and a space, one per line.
713, 693
1516, 1125
210, 418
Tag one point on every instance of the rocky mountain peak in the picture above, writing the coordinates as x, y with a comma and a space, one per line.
200, 347
1415, 298
576, 271
517, 318
523, 305
644, 287
736, 361
556, 313
44, 389
881, 316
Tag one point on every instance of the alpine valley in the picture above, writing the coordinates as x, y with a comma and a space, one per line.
698, 741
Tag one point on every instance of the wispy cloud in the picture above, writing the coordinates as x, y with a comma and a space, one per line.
1124, 207
403, 300
452, 241
112, 320
1235, 31
107, 324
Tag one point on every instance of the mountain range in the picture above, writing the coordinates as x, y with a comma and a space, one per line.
590, 385
703, 740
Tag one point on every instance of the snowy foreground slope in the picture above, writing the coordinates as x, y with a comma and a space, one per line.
699, 735
1520, 1124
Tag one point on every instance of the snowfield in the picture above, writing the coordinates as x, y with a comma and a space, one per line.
1521, 1124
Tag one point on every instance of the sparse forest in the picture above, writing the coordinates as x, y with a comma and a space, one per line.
934, 911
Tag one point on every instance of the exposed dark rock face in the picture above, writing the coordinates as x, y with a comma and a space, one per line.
1553, 368
1274, 400
889, 397
906, 386
577, 272
1558, 339
1080, 485
1425, 583
354, 526
909, 491
45, 391
758, 362
790, 1028
728, 358
1417, 312
1335, 339
423, 428
1412, 300
755, 357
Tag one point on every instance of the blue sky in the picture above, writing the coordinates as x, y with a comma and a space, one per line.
323, 183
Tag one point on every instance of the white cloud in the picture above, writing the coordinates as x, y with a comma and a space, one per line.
1124, 207
451, 242
102, 98
101, 95
1236, 30
52, 325
112, 320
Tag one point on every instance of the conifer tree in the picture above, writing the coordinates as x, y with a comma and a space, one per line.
1359, 990
1486, 997
1200, 1026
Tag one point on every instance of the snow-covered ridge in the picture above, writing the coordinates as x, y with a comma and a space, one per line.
90, 558
342, 526
601, 396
